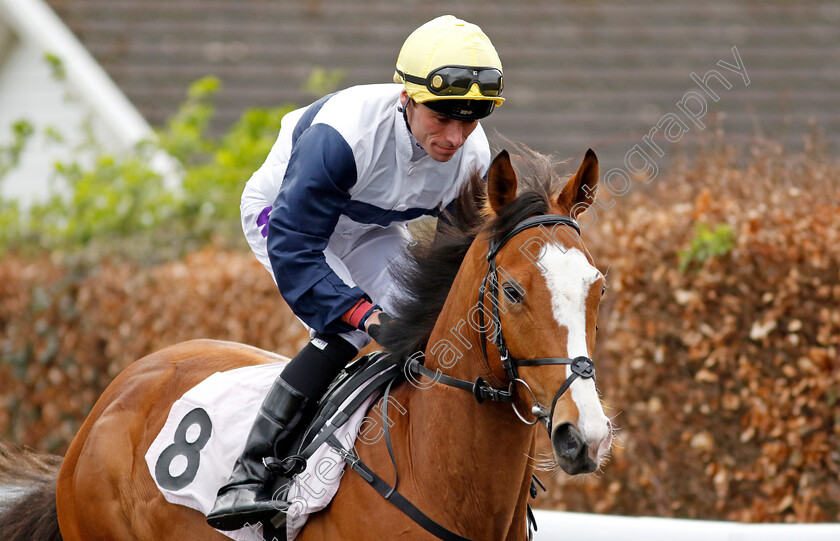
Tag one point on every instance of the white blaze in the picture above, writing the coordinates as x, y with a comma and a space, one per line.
569, 277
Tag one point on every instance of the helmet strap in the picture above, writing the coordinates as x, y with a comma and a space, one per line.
404, 110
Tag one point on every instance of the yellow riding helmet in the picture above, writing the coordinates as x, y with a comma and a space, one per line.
448, 42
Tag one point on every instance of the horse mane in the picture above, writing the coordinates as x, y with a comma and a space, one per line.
426, 273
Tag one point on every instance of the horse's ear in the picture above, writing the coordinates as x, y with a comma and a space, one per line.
501, 182
579, 192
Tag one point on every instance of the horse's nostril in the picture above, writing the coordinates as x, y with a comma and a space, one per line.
567, 441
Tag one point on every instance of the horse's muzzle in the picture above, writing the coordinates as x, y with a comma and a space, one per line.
570, 450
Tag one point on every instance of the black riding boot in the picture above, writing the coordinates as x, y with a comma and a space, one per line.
289, 406
246, 499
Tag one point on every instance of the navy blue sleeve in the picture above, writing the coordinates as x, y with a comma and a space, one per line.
313, 194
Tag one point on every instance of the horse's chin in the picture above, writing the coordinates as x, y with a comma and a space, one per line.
586, 465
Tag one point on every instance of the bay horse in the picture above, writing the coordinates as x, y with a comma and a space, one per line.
464, 461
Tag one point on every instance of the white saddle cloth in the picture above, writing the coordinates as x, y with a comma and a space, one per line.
194, 453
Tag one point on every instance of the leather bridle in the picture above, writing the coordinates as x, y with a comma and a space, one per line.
581, 366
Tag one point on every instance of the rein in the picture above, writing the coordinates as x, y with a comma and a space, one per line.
581, 366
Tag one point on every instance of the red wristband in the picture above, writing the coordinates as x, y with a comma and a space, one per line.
354, 315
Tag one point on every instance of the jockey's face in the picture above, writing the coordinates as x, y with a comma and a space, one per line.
440, 136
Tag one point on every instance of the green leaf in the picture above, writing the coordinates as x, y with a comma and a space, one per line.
707, 244
115, 203
56, 65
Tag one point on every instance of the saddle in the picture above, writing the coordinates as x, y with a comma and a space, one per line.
360, 381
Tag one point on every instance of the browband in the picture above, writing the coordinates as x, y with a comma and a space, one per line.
528, 223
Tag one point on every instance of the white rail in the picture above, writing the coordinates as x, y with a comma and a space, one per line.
554, 525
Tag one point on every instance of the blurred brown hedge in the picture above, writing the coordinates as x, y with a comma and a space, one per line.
67, 332
723, 379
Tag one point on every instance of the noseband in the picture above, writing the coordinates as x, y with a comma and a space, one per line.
581, 366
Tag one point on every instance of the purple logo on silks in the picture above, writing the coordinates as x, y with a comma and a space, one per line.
262, 221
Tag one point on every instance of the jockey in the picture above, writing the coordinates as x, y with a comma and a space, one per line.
328, 209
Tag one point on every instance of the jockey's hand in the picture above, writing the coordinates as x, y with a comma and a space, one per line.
375, 322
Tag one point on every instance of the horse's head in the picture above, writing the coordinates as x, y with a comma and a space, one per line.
511, 273
548, 292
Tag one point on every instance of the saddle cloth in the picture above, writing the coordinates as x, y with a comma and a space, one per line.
205, 432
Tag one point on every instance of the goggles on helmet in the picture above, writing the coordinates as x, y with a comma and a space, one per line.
457, 80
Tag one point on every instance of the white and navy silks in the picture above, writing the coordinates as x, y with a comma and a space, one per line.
328, 209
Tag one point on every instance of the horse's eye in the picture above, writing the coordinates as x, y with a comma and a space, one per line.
514, 294
603, 289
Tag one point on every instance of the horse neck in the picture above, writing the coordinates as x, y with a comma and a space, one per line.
479, 452
455, 342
